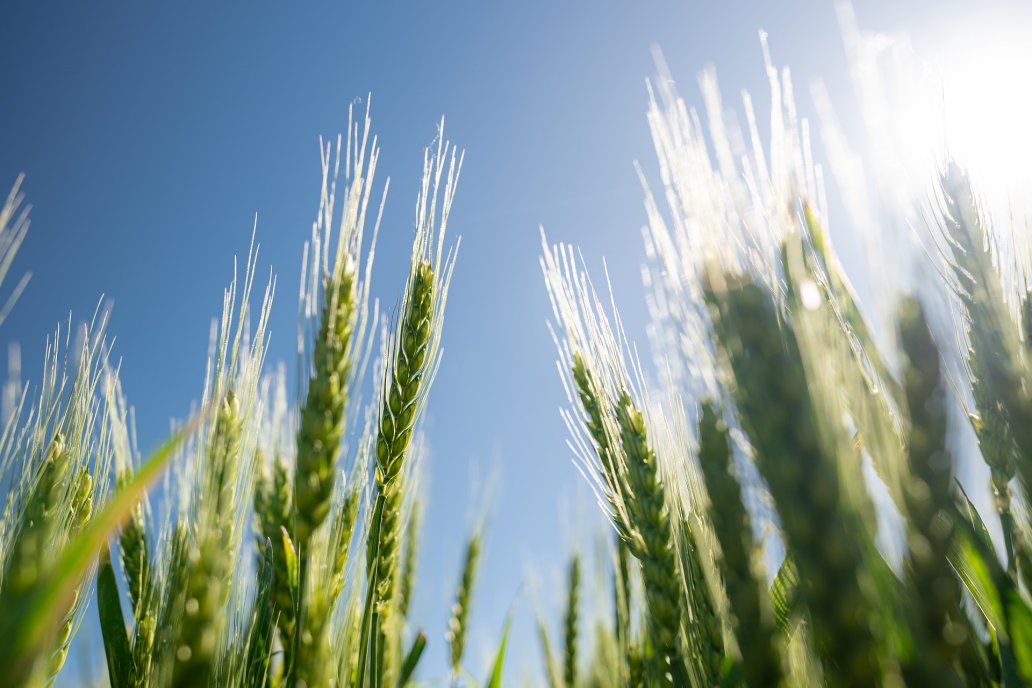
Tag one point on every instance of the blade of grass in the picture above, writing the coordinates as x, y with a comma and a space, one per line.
495, 679
112, 624
408, 667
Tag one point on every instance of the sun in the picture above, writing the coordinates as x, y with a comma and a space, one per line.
986, 103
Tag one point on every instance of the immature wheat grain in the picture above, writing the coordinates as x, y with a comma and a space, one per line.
588, 392
322, 417
570, 620
28, 553
654, 545
397, 415
457, 624
81, 508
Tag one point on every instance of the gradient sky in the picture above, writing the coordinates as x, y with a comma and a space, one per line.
150, 137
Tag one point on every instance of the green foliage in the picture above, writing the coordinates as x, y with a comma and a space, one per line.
112, 625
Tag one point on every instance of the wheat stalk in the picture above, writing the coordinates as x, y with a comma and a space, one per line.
458, 622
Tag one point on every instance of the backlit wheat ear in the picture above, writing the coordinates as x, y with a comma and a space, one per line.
27, 554
654, 542
322, 417
333, 351
752, 622
328, 571
138, 565
930, 500
413, 358
53, 451
203, 596
589, 393
208, 565
771, 394
993, 359
612, 442
335, 283
400, 400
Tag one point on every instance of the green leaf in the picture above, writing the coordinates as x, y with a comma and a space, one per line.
974, 558
976, 573
408, 667
495, 680
1020, 630
985, 540
783, 592
112, 624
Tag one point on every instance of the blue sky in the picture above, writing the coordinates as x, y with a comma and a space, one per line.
151, 136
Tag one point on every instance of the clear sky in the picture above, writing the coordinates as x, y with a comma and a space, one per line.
151, 136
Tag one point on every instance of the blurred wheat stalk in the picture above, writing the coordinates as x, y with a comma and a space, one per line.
748, 485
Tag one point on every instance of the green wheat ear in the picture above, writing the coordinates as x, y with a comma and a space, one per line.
993, 357
344, 523
322, 417
208, 563
273, 511
315, 653
458, 623
592, 404
570, 620
143, 590
821, 533
929, 505
752, 622
27, 559
81, 509
401, 396
653, 544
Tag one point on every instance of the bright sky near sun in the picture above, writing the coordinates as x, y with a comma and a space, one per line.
151, 136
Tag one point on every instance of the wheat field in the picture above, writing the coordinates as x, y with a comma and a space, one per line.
780, 492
